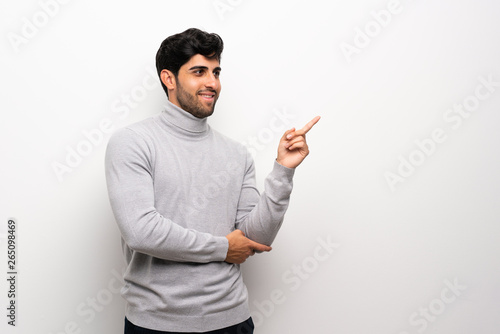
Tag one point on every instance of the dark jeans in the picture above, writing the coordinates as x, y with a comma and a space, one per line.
246, 327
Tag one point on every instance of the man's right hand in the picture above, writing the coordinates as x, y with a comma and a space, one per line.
240, 247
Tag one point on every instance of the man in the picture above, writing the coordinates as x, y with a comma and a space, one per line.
185, 201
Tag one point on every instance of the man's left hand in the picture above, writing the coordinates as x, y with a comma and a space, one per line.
293, 149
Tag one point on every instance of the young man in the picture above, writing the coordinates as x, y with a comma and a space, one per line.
185, 201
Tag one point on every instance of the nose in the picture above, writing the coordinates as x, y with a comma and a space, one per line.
212, 82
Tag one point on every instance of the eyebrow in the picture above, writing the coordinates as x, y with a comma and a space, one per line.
204, 68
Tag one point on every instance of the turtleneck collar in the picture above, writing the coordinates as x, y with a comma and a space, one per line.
182, 122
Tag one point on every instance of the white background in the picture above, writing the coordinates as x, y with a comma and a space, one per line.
398, 248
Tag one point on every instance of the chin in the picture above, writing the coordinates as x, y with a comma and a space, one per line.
202, 114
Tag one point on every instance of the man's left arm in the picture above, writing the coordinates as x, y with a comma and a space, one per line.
260, 217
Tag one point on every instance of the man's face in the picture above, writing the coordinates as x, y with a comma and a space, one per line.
197, 86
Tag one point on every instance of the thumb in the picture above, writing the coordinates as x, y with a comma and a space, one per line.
260, 247
286, 133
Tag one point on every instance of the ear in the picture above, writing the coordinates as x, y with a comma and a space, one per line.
168, 79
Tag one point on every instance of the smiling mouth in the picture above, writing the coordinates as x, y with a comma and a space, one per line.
207, 95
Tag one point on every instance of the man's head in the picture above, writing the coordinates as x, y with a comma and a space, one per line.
188, 65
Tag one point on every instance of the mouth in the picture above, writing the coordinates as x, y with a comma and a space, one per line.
207, 96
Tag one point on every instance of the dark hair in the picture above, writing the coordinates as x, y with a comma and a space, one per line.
177, 49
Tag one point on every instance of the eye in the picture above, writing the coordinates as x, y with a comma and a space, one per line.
217, 74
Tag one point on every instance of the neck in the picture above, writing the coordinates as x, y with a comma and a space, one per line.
182, 122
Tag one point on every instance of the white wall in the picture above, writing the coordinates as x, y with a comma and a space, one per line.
394, 251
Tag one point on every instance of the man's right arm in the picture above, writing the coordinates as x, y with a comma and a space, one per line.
129, 177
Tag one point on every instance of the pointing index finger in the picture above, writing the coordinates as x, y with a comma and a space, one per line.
309, 125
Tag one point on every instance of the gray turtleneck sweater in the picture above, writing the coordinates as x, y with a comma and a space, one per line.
177, 188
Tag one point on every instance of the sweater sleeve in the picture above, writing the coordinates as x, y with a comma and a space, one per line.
129, 177
260, 216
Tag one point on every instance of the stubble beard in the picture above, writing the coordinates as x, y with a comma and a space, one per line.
192, 105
